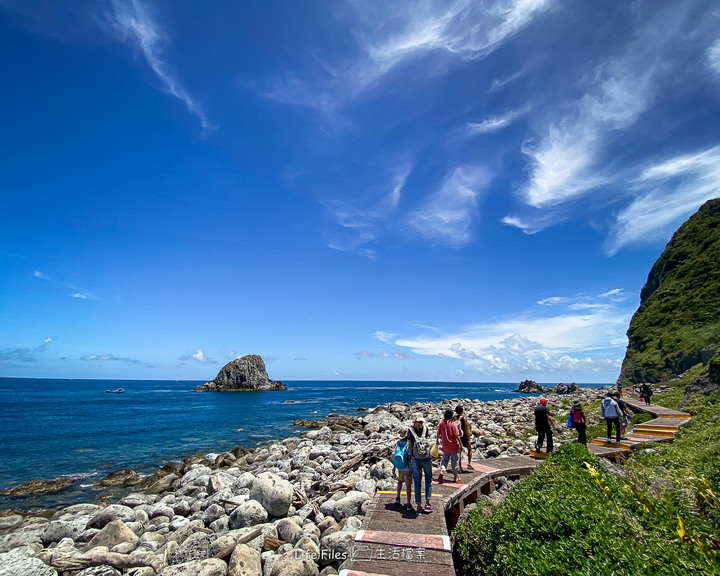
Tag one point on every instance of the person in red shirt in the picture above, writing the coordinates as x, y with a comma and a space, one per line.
449, 444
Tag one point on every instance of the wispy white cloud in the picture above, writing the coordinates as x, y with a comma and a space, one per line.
23, 357
567, 156
391, 34
39, 275
132, 20
450, 212
108, 358
586, 333
713, 57
667, 193
494, 123
386, 355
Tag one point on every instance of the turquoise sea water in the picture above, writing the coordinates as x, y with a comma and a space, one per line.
51, 428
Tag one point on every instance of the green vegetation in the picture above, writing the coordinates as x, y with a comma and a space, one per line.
677, 324
572, 516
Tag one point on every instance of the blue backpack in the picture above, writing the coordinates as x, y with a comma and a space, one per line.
401, 459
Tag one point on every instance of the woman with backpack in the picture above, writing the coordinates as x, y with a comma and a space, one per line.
450, 438
418, 437
578, 420
464, 429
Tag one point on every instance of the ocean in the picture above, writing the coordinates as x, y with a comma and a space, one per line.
52, 427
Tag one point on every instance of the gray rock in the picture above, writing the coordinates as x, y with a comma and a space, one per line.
350, 505
68, 527
111, 513
212, 513
99, 571
164, 484
248, 513
113, 534
9, 522
245, 561
274, 493
25, 567
288, 531
335, 547
209, 567
293, 563
24, 536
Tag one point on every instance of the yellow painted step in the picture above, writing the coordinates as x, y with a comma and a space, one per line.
539, 454
648, 431
611, 444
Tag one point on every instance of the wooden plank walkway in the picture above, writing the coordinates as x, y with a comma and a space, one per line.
394, 541
662, 428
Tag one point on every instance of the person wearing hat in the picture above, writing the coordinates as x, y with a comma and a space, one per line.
418, 437
579, 422
543, 426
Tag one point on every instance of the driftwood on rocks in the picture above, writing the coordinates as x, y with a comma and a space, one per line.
63, 562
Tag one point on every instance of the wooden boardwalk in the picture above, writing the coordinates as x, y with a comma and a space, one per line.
662, 428
394, 541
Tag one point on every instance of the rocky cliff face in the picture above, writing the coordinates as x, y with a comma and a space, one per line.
244, 374
678, 324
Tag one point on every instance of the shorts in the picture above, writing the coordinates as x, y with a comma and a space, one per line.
465, 441
404, 476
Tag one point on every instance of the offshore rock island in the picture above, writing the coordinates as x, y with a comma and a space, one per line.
242, 375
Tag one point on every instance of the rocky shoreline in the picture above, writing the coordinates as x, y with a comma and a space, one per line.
292, 507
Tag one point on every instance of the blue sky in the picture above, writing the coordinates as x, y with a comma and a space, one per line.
449, 191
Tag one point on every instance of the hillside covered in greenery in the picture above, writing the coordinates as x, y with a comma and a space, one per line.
678, 322
659, 512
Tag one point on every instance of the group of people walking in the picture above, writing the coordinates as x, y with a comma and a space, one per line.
453, 435
614, 412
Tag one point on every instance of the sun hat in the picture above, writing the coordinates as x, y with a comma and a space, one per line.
543, 400
577, 404
419, 417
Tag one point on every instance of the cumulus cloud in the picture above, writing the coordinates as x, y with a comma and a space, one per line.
586, 333
136, 27
198, 356
449, 213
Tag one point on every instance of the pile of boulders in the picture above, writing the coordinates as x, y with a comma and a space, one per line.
289, 508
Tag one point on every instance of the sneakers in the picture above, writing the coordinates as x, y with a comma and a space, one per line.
470, 467
428, 507
408, 508
397, 502
440, 478
420, 509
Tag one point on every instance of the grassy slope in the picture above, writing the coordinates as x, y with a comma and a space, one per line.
677, 317
562, 520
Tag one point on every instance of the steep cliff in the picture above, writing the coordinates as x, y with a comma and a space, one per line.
244, 374
678, 322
